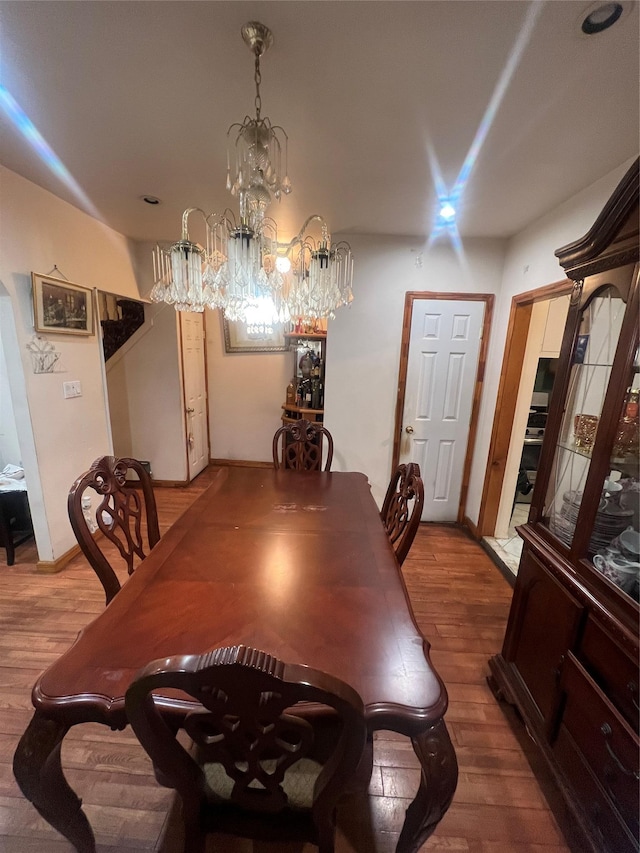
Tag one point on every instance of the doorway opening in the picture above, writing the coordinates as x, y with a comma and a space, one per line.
534, 337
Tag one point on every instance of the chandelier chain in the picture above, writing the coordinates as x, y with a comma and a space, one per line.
258, 79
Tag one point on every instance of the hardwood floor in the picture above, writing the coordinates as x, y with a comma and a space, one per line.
461, 602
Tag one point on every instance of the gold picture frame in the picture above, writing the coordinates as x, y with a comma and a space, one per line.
60, 307
243, 337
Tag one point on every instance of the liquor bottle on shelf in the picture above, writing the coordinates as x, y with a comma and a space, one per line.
315, 393
628, 435
291, 393
306, 397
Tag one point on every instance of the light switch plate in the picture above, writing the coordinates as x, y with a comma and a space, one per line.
72, 389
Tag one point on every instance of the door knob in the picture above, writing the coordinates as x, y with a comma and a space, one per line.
190, 411
408, 429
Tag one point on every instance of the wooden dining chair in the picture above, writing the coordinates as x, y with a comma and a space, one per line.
124, 506
402, 508
299, 445
256, 768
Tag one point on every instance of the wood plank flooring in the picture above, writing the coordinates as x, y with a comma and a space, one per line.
461, 602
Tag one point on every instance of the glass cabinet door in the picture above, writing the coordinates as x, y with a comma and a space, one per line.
614, 549
590, 372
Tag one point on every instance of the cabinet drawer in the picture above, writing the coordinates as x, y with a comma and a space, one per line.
607, 743
612, 668
606, 824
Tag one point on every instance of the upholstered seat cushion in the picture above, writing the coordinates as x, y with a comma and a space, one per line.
297, 784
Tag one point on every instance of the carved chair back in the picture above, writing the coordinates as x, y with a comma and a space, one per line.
121, 511
257, 768
300, 445
402, 508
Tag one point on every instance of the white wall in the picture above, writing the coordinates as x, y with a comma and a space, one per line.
58, 438
155, 397
9, 446
530, 263
246, 392
145, 396
363, 342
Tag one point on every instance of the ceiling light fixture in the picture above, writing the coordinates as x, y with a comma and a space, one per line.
601, 17
447, 211
242, 264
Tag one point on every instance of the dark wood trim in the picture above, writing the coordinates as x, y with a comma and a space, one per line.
170, 484
240, 463
475, 407
410, 297
402, 377
206, 378
183, 395
507, 395
613, 234
206, 392
471, 527
52, 567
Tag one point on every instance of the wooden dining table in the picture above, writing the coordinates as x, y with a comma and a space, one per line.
294, 563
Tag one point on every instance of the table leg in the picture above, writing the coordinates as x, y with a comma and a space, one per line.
437, 786
38, 771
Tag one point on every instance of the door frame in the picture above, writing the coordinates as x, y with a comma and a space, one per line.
183, 394
409, 298
506, 399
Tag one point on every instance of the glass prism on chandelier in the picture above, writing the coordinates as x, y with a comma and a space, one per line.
239, 269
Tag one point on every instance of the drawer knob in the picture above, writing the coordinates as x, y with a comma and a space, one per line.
605, 728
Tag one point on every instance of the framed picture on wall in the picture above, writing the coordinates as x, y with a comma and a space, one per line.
61, 307
254, 336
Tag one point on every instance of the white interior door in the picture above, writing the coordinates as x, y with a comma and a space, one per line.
441, 374
195, 391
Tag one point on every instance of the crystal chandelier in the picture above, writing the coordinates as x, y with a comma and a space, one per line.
242, 265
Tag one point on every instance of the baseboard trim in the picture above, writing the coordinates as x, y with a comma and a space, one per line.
502, 567
169, 484
471, 527
240, 463
52, 567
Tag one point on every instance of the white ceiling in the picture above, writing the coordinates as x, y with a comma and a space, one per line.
136, 97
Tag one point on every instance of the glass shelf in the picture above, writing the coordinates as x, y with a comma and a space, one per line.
613, 548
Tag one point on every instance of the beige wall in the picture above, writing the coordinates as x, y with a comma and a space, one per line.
246, 391
58, 437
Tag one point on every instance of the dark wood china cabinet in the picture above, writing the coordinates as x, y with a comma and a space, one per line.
569, 662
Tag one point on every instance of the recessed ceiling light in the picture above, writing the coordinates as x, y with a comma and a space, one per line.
600, 17
150, 199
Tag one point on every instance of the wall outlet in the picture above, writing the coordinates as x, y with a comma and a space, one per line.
72, 389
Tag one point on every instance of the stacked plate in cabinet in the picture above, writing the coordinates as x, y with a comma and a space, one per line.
611, 519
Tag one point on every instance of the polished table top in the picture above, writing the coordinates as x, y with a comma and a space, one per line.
296, 564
